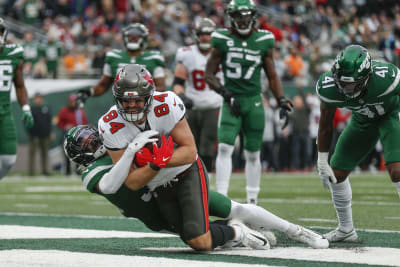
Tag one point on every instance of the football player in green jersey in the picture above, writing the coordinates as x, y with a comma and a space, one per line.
370, 89
135, 40
11, 64
84, 146
242, 51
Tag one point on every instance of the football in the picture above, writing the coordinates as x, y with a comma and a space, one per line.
150, 145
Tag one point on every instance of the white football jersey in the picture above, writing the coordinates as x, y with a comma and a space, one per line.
166, 110
196, 87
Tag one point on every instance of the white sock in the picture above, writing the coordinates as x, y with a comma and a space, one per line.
341, 196
238, 232
257, 217
397, 185
223, 166
6, 163
253, 174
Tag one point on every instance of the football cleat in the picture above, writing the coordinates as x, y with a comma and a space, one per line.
309, 237
339, 236
251, 238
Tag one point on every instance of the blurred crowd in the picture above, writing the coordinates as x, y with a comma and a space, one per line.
69, 39
309, 33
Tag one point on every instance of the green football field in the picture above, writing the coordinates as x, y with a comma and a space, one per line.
56, 222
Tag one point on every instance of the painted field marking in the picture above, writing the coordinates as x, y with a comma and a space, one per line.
364, 255
68, 188
51, 258
28, 205
316, 220
35, 232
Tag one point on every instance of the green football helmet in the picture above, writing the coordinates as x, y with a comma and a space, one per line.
135, 36
242, 14
83, 144
352, 70
3, 32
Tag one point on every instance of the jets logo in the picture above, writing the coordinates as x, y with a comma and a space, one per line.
366, 64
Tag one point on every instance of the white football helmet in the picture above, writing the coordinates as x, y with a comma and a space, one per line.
133, 81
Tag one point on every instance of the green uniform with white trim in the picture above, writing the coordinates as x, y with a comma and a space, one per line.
376, 115
241, 66
10, 56
116, 59
139, 203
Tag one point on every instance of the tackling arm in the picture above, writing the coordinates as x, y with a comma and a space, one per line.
135, 178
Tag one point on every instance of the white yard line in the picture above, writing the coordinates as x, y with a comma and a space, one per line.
35, 232
364, 255
28, 205
57, 258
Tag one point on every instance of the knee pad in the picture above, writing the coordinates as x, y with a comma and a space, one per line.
252, 156
225, 149
6, 163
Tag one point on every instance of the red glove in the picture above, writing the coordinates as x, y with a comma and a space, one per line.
143, 156
162, 154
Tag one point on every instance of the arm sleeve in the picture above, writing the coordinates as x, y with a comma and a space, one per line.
112, 181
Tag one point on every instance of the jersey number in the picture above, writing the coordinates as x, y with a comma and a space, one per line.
115, 126
162, 109
236, 72
5, 77
370, 112
198, 80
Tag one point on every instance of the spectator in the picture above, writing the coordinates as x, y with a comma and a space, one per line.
69, 116
268, 157
294, 63
32, 52
75, 63
300, 138
39, 134
53, 52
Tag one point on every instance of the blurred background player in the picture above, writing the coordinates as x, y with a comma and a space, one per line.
11, 68
242, 51
202, 103
135, 41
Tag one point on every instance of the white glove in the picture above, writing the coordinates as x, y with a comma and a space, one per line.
324, 170
141, 140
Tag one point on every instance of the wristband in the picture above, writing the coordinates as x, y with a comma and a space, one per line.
26, 107
154, 167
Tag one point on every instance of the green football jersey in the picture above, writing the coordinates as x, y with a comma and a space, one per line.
380, 99
242, 59
10, 56
116, 59
32, 52
124, 197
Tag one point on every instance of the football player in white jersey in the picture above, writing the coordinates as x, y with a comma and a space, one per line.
175, 176
203, 103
